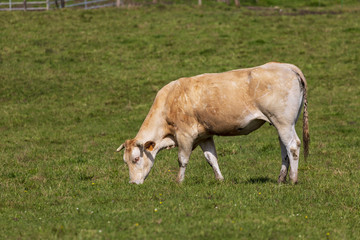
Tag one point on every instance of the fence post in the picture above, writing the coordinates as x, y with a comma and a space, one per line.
85, 4
118, 3
237, 3
10, 5
47, 5
199, 2
25, 5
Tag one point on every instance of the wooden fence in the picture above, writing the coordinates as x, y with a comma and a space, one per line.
33, 5
27, 5
86, 4
24, 5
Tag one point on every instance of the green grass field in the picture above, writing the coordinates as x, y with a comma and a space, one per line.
75, 84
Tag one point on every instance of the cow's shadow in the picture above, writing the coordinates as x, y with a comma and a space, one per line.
257, 180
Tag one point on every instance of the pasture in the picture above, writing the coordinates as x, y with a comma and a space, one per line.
75, 84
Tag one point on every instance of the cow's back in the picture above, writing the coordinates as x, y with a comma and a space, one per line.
225, 103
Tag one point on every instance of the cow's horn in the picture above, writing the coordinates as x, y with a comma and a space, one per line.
122, 146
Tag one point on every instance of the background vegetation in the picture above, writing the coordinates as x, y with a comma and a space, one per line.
75, 84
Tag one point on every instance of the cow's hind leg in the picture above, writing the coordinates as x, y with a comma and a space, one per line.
292, 144
285, 163
208, 147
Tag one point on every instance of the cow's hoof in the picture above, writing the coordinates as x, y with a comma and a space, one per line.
179, 180
281, 179
293, 178
294, 182
220, 179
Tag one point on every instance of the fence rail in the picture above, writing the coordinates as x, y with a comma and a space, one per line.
27, 5
24, 5
33, 5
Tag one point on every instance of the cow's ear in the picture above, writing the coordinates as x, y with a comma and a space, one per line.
149, 145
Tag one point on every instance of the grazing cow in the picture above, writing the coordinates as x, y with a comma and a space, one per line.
189, 111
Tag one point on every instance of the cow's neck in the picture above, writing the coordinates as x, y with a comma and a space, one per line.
153, 129
154, 133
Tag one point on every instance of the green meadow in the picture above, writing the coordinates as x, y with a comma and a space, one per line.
76, 84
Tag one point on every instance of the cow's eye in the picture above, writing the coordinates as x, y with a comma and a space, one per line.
136, 159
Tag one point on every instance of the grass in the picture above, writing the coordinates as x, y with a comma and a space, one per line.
75, 84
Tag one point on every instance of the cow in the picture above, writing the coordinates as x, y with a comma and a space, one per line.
188, 112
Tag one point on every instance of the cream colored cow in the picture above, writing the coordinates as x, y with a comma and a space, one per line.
189, 111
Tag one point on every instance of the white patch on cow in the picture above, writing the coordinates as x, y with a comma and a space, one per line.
249, 118
209, 150
135, 153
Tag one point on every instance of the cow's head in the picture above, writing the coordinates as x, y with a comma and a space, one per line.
139, 159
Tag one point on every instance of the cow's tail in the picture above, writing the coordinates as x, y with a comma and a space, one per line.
306, 134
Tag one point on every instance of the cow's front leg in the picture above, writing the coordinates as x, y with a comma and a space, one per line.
208, 147
185, 149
